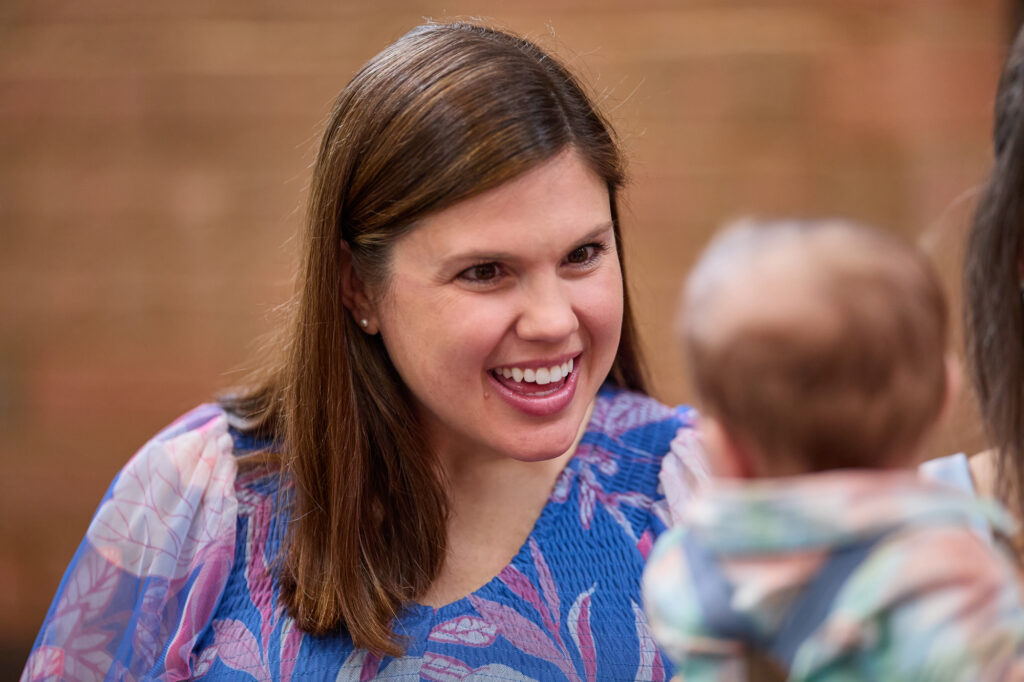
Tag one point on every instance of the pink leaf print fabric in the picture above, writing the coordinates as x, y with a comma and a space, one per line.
628, 411
291, 639
524, 589
645, 543
168, 520
579, 627
439, 668
238, 649
362, 666
90, 589
84, 653
524, 634
158, 589
45, 663
683, 471
547, 581
549, 609
359, 666
650, 667
159, 516
249, 646
444, 669
465, 630
592, 491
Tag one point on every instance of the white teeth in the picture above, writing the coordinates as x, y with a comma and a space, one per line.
541, 376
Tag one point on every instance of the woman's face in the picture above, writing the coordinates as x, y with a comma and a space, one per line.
503, 313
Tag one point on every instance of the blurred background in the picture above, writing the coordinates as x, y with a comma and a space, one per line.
154, 158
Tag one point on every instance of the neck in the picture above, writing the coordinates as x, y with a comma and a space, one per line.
494, 502
476, 472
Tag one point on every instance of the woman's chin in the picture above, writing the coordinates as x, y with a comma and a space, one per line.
551, 444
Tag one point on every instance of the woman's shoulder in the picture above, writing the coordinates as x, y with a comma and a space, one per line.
638, 419
154, 560
635, 433
655, 448
174, 497
208, 419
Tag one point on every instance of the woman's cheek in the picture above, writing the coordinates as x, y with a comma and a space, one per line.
602, 305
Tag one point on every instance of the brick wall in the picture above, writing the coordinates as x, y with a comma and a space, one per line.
153, 160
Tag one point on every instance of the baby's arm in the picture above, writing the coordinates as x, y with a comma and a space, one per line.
938, 604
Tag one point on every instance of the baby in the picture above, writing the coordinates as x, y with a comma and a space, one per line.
819, 353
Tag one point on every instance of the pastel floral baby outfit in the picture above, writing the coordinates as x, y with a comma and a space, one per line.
932, 599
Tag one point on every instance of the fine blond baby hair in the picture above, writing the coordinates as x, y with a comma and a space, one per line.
822, 342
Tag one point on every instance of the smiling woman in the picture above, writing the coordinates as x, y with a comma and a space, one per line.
524, 277
450, 468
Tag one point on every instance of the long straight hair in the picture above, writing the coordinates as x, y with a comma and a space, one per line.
443, 114
993, 305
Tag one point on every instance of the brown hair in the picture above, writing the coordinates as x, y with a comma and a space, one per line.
441, 115
823, 342
993, 311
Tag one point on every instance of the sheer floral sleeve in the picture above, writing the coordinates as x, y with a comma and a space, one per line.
144, 582
683, 471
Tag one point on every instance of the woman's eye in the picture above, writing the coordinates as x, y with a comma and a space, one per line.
485, 272
584, 254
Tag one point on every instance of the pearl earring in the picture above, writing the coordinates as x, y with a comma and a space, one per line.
364, 322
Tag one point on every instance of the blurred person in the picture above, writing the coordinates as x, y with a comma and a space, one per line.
449, 468
993, 306
817, 552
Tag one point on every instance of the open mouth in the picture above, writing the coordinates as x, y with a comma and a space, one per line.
538, 391
535, 381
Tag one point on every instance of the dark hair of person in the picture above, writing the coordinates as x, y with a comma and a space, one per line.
993, 307
446, 112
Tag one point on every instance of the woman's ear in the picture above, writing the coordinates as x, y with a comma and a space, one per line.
354, 295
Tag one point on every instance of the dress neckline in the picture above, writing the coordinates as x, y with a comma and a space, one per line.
542, 527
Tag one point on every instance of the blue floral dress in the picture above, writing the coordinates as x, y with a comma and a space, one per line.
175, 578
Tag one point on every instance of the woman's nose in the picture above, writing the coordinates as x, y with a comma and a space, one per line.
547, 312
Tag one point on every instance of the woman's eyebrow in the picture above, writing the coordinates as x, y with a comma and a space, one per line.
487, 256
606, 226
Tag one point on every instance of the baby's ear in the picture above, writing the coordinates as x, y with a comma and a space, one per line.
727, 457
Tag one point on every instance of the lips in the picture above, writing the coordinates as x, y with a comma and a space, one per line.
538, 390
534, 380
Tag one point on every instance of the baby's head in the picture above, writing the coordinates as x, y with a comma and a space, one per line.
815, 345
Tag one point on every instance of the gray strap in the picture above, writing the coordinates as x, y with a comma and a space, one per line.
813, 604
807, 612
714, 593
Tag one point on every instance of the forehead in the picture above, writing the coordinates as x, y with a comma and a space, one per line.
551, 206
